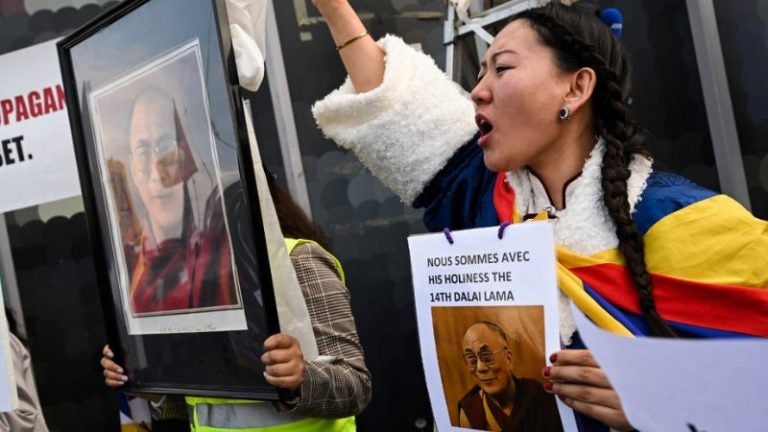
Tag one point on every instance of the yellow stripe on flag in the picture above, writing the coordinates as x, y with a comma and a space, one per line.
572, 286
713, 241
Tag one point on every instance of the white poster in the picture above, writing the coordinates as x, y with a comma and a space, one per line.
487, 311
37, 159
679, 385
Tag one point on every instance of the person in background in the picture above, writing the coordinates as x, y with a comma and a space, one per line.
28, 416
324, 394
546, 133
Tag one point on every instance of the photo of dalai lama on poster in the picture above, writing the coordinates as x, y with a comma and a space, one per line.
490, 361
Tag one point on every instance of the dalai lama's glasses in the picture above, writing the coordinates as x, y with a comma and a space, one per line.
485, 355
165, 152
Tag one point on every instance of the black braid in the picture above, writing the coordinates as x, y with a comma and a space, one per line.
578, 40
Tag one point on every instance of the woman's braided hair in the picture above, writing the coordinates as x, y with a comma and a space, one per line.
582, 40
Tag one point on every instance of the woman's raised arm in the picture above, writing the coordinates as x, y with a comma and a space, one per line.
362, 58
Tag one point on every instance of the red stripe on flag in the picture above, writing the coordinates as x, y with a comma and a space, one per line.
723, 307
504, 199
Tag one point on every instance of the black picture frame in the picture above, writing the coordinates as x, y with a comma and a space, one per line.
170, 197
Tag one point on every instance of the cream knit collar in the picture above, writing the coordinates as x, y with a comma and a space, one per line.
584, 226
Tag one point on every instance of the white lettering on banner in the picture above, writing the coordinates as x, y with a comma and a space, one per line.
37, 158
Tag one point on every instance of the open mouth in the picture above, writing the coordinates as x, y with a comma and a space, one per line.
485, 128
483, 124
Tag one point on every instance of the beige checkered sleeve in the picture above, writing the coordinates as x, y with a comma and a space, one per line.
337, 384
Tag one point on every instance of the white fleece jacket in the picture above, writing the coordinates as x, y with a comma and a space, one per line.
405, 131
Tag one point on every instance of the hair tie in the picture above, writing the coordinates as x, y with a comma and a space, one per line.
611, 17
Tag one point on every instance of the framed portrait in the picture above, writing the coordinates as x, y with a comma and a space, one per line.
170, 197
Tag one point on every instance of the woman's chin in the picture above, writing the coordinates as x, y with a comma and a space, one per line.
497, 165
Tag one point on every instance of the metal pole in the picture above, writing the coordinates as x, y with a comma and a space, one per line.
449, 42
717, 98
283, 109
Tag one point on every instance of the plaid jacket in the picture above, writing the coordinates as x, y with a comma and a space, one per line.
337, 384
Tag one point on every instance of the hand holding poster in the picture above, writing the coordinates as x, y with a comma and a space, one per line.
678, 385
487, 310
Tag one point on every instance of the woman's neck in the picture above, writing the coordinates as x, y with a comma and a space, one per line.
557, 168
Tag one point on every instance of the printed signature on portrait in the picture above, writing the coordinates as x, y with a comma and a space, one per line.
187, 328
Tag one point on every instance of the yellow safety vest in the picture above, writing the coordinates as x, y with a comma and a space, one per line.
228, 415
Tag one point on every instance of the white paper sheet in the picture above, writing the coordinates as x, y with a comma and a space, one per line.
684, 385
509, 281
36, 151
